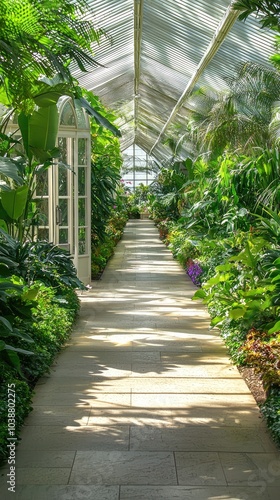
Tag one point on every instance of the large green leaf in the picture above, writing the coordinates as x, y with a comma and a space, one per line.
47, 91
275, 328
237, 312
39, 132
18, 349
3, 225
98, 117
199, 294
9, 168
14, 201
23, 122
6, 323
43, 128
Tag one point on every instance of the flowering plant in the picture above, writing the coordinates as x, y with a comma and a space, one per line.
193, 270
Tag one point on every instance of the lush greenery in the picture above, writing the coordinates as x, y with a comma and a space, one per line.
38, 305
229, 244
137, 202
108, 207
217, 207
38, 302
103, 250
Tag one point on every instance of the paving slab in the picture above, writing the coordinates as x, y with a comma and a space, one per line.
143, 402
129, 467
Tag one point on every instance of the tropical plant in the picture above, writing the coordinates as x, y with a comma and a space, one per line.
38, 261
268, 11
41, 37
12, 303
106, 192
238, 118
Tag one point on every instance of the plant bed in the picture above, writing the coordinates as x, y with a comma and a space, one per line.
254, 383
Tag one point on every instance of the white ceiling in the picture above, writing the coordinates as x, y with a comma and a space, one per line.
156, 51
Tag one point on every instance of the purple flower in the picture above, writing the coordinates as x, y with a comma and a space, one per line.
194, 271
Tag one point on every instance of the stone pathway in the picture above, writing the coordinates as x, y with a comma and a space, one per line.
144, 404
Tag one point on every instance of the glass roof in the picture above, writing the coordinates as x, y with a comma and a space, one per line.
156, 52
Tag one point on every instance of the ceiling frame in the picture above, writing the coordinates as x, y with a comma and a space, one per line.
138, 24
220, 34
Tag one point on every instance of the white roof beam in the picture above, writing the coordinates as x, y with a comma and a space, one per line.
220, 34
138, 23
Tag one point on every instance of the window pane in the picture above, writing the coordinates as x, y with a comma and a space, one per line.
82, 123
63, 205
82, 212
62, 181
62, 144
67, 116
82, 153
82, 241
42, 184
43, 206
81, 181
43, 234
63, 235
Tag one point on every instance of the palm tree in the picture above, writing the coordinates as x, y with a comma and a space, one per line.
268, 13
238, 118
267, 10
41, 37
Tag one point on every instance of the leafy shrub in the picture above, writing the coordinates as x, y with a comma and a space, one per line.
182, 246
23, 395
102, 250
133, 212
43, 331
49, 327
271, 411
234, 335
264, 355
38, 260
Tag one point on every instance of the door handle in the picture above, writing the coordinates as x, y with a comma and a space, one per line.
58, 215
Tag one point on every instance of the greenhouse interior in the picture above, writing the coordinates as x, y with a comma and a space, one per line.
140, 249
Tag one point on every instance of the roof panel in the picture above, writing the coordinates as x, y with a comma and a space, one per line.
173, 38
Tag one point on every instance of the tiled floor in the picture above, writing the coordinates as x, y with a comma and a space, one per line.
144, 404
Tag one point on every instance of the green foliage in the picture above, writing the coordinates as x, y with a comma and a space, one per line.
182, 246
47, 327
133, 211
23, 395
227, 225
102, 250
271, 411
267, 10
50, 264
263, 353
52, 318
38, 260
21, 263
12, 303
41, 38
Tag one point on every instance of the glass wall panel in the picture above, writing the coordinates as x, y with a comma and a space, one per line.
62, 144
82, 212
63, 235
81, 181
43, 234
67, 116
62, 181
43, 206
82, 152
64, 212
138, 168
82, 241
42, 184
